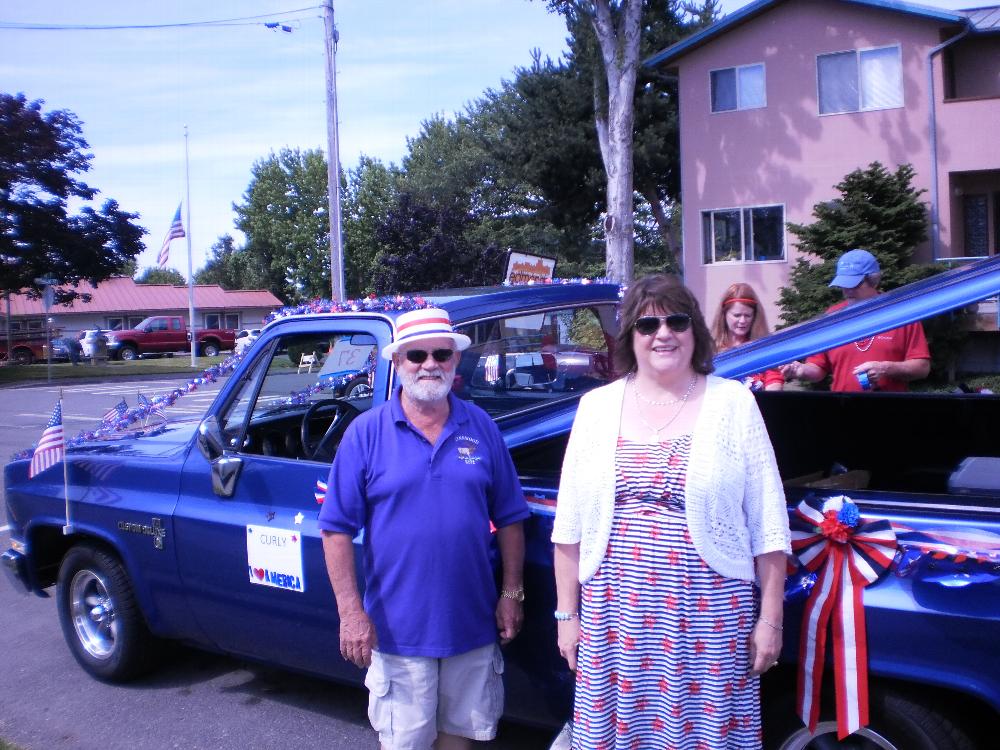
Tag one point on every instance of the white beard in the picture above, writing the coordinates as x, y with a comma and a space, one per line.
426, 391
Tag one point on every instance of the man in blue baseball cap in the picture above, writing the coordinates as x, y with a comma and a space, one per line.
884, 362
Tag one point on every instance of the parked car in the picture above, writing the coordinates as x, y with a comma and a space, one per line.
164, 334
244, 338
90, 340
164, 528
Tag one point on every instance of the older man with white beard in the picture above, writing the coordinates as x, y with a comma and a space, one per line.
425, 475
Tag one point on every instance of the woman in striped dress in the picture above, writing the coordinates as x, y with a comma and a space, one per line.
670, 534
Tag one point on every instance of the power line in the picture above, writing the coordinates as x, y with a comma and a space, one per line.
242, 21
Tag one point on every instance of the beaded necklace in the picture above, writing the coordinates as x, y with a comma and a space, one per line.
866, 347
655, 437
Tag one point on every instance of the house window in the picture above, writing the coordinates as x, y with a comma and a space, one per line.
212, 320
859, 80
743, 234
232, 320
738, 88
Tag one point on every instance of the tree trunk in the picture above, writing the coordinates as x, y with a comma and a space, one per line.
620, 53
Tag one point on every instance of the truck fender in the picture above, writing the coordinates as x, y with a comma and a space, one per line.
82, 533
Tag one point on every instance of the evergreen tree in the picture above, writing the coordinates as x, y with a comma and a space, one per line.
879, 211
427, 248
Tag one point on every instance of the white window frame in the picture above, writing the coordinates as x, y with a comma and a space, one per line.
743, 244
858, 52
736, 69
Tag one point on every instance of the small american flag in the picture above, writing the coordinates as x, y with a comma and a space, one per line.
320, 492
175, 232
51, 448
154, 408
116, 412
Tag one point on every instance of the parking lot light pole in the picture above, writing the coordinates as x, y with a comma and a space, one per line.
48, 296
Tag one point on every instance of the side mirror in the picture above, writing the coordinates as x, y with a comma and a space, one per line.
210, 440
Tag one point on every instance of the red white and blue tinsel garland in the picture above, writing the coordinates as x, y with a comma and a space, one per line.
847, 553
117, 423
371, 303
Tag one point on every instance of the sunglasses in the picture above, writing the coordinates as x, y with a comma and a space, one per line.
419, 356
647, 325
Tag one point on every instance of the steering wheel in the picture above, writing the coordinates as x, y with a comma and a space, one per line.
343, 414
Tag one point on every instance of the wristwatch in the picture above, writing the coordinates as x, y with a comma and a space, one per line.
516, 594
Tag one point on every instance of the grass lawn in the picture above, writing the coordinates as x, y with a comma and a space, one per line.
13, 375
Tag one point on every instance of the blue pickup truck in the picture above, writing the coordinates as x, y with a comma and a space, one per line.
205, 532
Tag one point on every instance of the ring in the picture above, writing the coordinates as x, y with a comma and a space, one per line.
774, 664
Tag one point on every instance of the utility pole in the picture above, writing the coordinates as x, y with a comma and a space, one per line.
331, 37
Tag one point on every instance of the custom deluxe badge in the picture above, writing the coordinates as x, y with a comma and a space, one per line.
274, 558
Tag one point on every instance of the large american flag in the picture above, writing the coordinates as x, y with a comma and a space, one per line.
51, 448
175, 232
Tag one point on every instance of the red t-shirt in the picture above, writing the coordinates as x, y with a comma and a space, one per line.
895, 345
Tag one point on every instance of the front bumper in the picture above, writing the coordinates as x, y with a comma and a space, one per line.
15, 565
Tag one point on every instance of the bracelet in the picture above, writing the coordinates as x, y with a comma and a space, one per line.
516, 594
565, 616
770, 624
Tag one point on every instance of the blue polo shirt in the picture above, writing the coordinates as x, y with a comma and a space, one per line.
426, 511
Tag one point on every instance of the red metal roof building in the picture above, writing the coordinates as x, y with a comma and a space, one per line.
120, 303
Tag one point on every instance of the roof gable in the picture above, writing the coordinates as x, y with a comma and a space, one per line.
754, 9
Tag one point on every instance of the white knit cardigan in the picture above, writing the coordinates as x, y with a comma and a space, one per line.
734, 502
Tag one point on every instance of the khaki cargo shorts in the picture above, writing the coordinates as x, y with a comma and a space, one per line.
413, 698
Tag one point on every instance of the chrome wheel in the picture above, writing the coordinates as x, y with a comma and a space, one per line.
100, 617
826, 737
93, 613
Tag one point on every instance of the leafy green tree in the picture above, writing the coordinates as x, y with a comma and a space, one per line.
634, 108
42, 155
371, 192
231, 267
285, 220
877, 210
156, 275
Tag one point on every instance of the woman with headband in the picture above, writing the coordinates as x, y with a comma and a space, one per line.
739, 319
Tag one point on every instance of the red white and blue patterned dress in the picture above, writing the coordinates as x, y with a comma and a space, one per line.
663, 659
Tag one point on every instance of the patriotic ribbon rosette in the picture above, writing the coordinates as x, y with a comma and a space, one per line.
847, 554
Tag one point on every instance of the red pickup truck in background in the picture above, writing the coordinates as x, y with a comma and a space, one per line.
167, 333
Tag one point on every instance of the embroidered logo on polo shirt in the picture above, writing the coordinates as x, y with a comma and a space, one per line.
467, 447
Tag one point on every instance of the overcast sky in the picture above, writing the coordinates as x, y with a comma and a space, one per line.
245, 91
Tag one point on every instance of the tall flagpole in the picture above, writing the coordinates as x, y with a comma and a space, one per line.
331, 37
187, 180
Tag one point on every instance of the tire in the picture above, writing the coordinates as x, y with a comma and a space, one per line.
100, 617
210, 349
23, 357
358, 388
128, 354
897, 723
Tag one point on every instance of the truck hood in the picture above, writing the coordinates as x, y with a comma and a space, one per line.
169, 440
